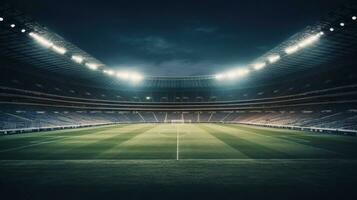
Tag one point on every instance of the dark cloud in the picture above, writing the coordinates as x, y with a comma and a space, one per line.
150, 44
206, 29
154, 45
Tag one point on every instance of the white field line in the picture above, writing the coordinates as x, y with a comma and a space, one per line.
177, 143
30, 145
189, 159
55, 139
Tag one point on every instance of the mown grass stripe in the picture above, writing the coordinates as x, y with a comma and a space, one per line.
82, 150
291, 147
251, 149
200, 144
116, 141
47, 140
345, 147
150, 145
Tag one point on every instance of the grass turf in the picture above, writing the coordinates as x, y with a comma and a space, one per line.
177, 161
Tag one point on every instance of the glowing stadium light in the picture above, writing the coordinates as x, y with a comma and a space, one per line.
92, 66
23, 30
309, 40
322, 33
123, 75
12, 25
273, 58
148, 98
1, 19
135, 77
237, 73
59, 50
109, 72
77, 58
231, 74
303, 43
242, 72
332, 29
342, 24
292, 49
258, 66
44, 42
220, 76
354, 18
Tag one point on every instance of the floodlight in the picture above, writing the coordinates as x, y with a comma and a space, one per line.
12, 25
77, 58
92, 66
1, 19
59, 50
237, 73
258, 66
44, 42
342, 24
109, 72
292, 49
231, 74
332, 29
309, 40
123, 75
322, 33
220, 76
273, 58
23, 30
354, 18
243, 72
135, 77
148, 98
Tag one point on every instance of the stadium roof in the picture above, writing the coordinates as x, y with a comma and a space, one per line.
332, 47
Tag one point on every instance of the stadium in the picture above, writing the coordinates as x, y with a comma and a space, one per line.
178, 100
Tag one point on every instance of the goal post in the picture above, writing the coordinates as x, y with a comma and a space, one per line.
180, 121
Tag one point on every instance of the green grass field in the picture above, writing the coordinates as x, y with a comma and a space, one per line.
177, 161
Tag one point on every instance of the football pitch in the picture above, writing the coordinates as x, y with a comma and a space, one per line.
177, 161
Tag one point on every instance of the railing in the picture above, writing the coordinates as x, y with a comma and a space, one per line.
51, 128
300, 128
303, 128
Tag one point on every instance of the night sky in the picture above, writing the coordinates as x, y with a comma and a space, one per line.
176, 38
